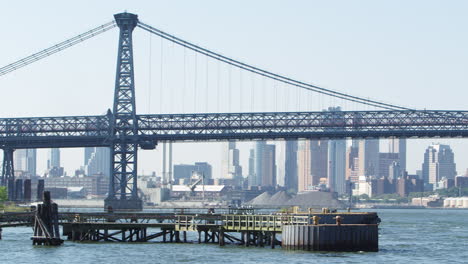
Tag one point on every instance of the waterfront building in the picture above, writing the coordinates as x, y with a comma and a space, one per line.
438, 163
184, 172
93, 185
461, 181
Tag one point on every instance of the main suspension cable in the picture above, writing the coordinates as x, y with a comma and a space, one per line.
269, 74
56, 48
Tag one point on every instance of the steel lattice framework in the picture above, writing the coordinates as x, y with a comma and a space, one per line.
123, 131
80, 131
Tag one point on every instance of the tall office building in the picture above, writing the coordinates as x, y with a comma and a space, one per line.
398, 145
265, 164
87, 153
231, 168
352, 163
280, 162
438, 163
54, 158
337, 166
369, 157
98, 161
252, 177
290, 172
53, 163
25, 160
312, 163
269, 166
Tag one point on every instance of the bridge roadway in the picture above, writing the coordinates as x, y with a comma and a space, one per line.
84, 131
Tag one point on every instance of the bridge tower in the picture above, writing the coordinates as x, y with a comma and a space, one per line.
8, 172
123, 194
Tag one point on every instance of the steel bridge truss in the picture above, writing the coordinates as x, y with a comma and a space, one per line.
80, 131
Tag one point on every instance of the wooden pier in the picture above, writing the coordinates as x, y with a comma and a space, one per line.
297, 231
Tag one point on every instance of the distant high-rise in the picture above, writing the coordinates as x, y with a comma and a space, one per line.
53, 163
369, 157
265, 165
252, 176
385, 161
438, 163
54, 158
87, 154
312, 163
280, 162
337, 166
231, 168
269, 166
394, 171
398, 145
25, 160
98, 161
352, 163
290, 172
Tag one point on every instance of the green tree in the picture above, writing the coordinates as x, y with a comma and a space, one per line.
3, 194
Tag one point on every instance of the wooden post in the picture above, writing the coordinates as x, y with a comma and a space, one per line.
273, 239
221, 237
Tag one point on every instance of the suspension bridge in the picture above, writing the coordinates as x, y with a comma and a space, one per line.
124, 131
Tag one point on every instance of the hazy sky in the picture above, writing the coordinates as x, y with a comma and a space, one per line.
411, 53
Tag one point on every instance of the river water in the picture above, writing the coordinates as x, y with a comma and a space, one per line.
406, 235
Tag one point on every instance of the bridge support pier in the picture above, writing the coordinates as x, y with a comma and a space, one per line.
8, 173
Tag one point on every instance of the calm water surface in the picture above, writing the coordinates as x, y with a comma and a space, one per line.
416, 236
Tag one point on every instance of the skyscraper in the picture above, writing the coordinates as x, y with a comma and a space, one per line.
352, 163
25, 160
269, 166
337, 166
280, 162
231, 168
398, 145
98, 161
265, 165
252, 178
53, 163
369, 157
312, 163
438, 163
290, 172
54, 158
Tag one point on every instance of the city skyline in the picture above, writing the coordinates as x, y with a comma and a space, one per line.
369, 64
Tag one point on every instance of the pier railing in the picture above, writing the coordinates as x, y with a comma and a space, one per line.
262, 222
